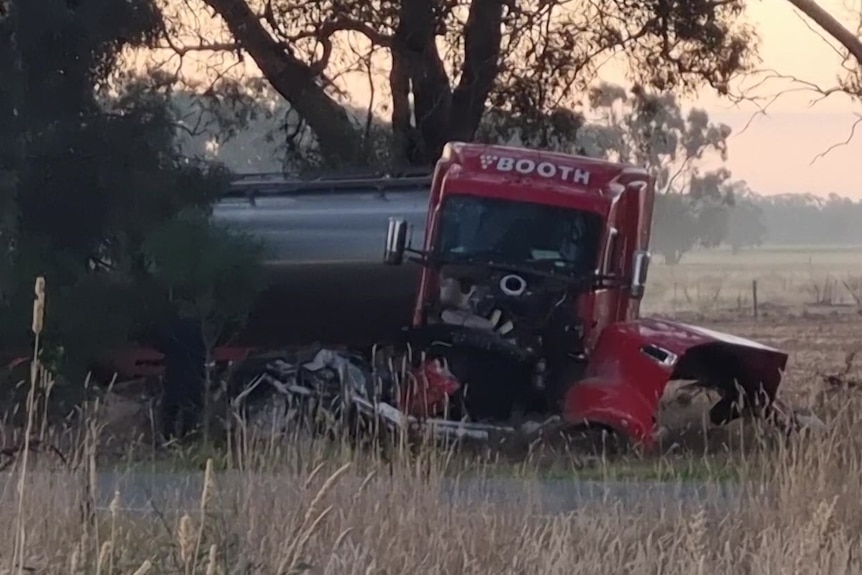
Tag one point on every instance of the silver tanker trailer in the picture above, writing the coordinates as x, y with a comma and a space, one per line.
325, 241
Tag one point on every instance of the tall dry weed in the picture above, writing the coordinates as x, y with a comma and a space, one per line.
800, 514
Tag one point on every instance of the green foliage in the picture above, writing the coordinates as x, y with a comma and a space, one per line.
674, 228
207, 271
746, 226
649, 129
90, 177
71, 144
12, 96
558, 130
680, 225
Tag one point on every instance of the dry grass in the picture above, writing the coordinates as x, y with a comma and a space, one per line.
305, 507
325, 513
789, 281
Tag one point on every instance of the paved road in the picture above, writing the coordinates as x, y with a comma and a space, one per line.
169, 492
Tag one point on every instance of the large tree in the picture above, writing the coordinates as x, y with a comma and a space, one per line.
447, 61
89, 171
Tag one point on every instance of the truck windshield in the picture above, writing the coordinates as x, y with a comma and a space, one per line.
545, 236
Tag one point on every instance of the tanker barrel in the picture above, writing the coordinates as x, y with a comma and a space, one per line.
252, 185
327, 280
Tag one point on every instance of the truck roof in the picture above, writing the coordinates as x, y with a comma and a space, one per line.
539, 167
280, 184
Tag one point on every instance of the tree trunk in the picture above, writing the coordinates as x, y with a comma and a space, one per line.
339, 139
418, 60
405, 147
482, 37
441, 114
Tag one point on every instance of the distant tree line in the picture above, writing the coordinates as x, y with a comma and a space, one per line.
787, 219
810, 220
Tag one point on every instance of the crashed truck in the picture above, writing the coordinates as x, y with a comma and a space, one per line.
500, 293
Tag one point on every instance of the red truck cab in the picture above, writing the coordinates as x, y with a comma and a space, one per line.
534, 265
609, 204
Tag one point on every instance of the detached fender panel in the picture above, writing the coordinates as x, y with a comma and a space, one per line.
632, 363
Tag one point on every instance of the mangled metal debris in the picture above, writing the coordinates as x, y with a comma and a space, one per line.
322, 391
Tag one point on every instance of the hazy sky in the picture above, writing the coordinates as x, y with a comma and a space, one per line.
775, 153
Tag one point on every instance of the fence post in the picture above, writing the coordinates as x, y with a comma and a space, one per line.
673, 301
754, 297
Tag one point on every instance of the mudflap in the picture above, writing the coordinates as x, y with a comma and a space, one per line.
633, 362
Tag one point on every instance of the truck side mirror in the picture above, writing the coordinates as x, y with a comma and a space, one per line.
640, 266
396, 242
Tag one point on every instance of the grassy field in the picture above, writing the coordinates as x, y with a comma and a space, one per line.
790, 281
329, 511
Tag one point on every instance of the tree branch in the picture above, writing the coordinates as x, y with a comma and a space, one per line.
215, 47
847, 141
832, 26
327, 29
294, 80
